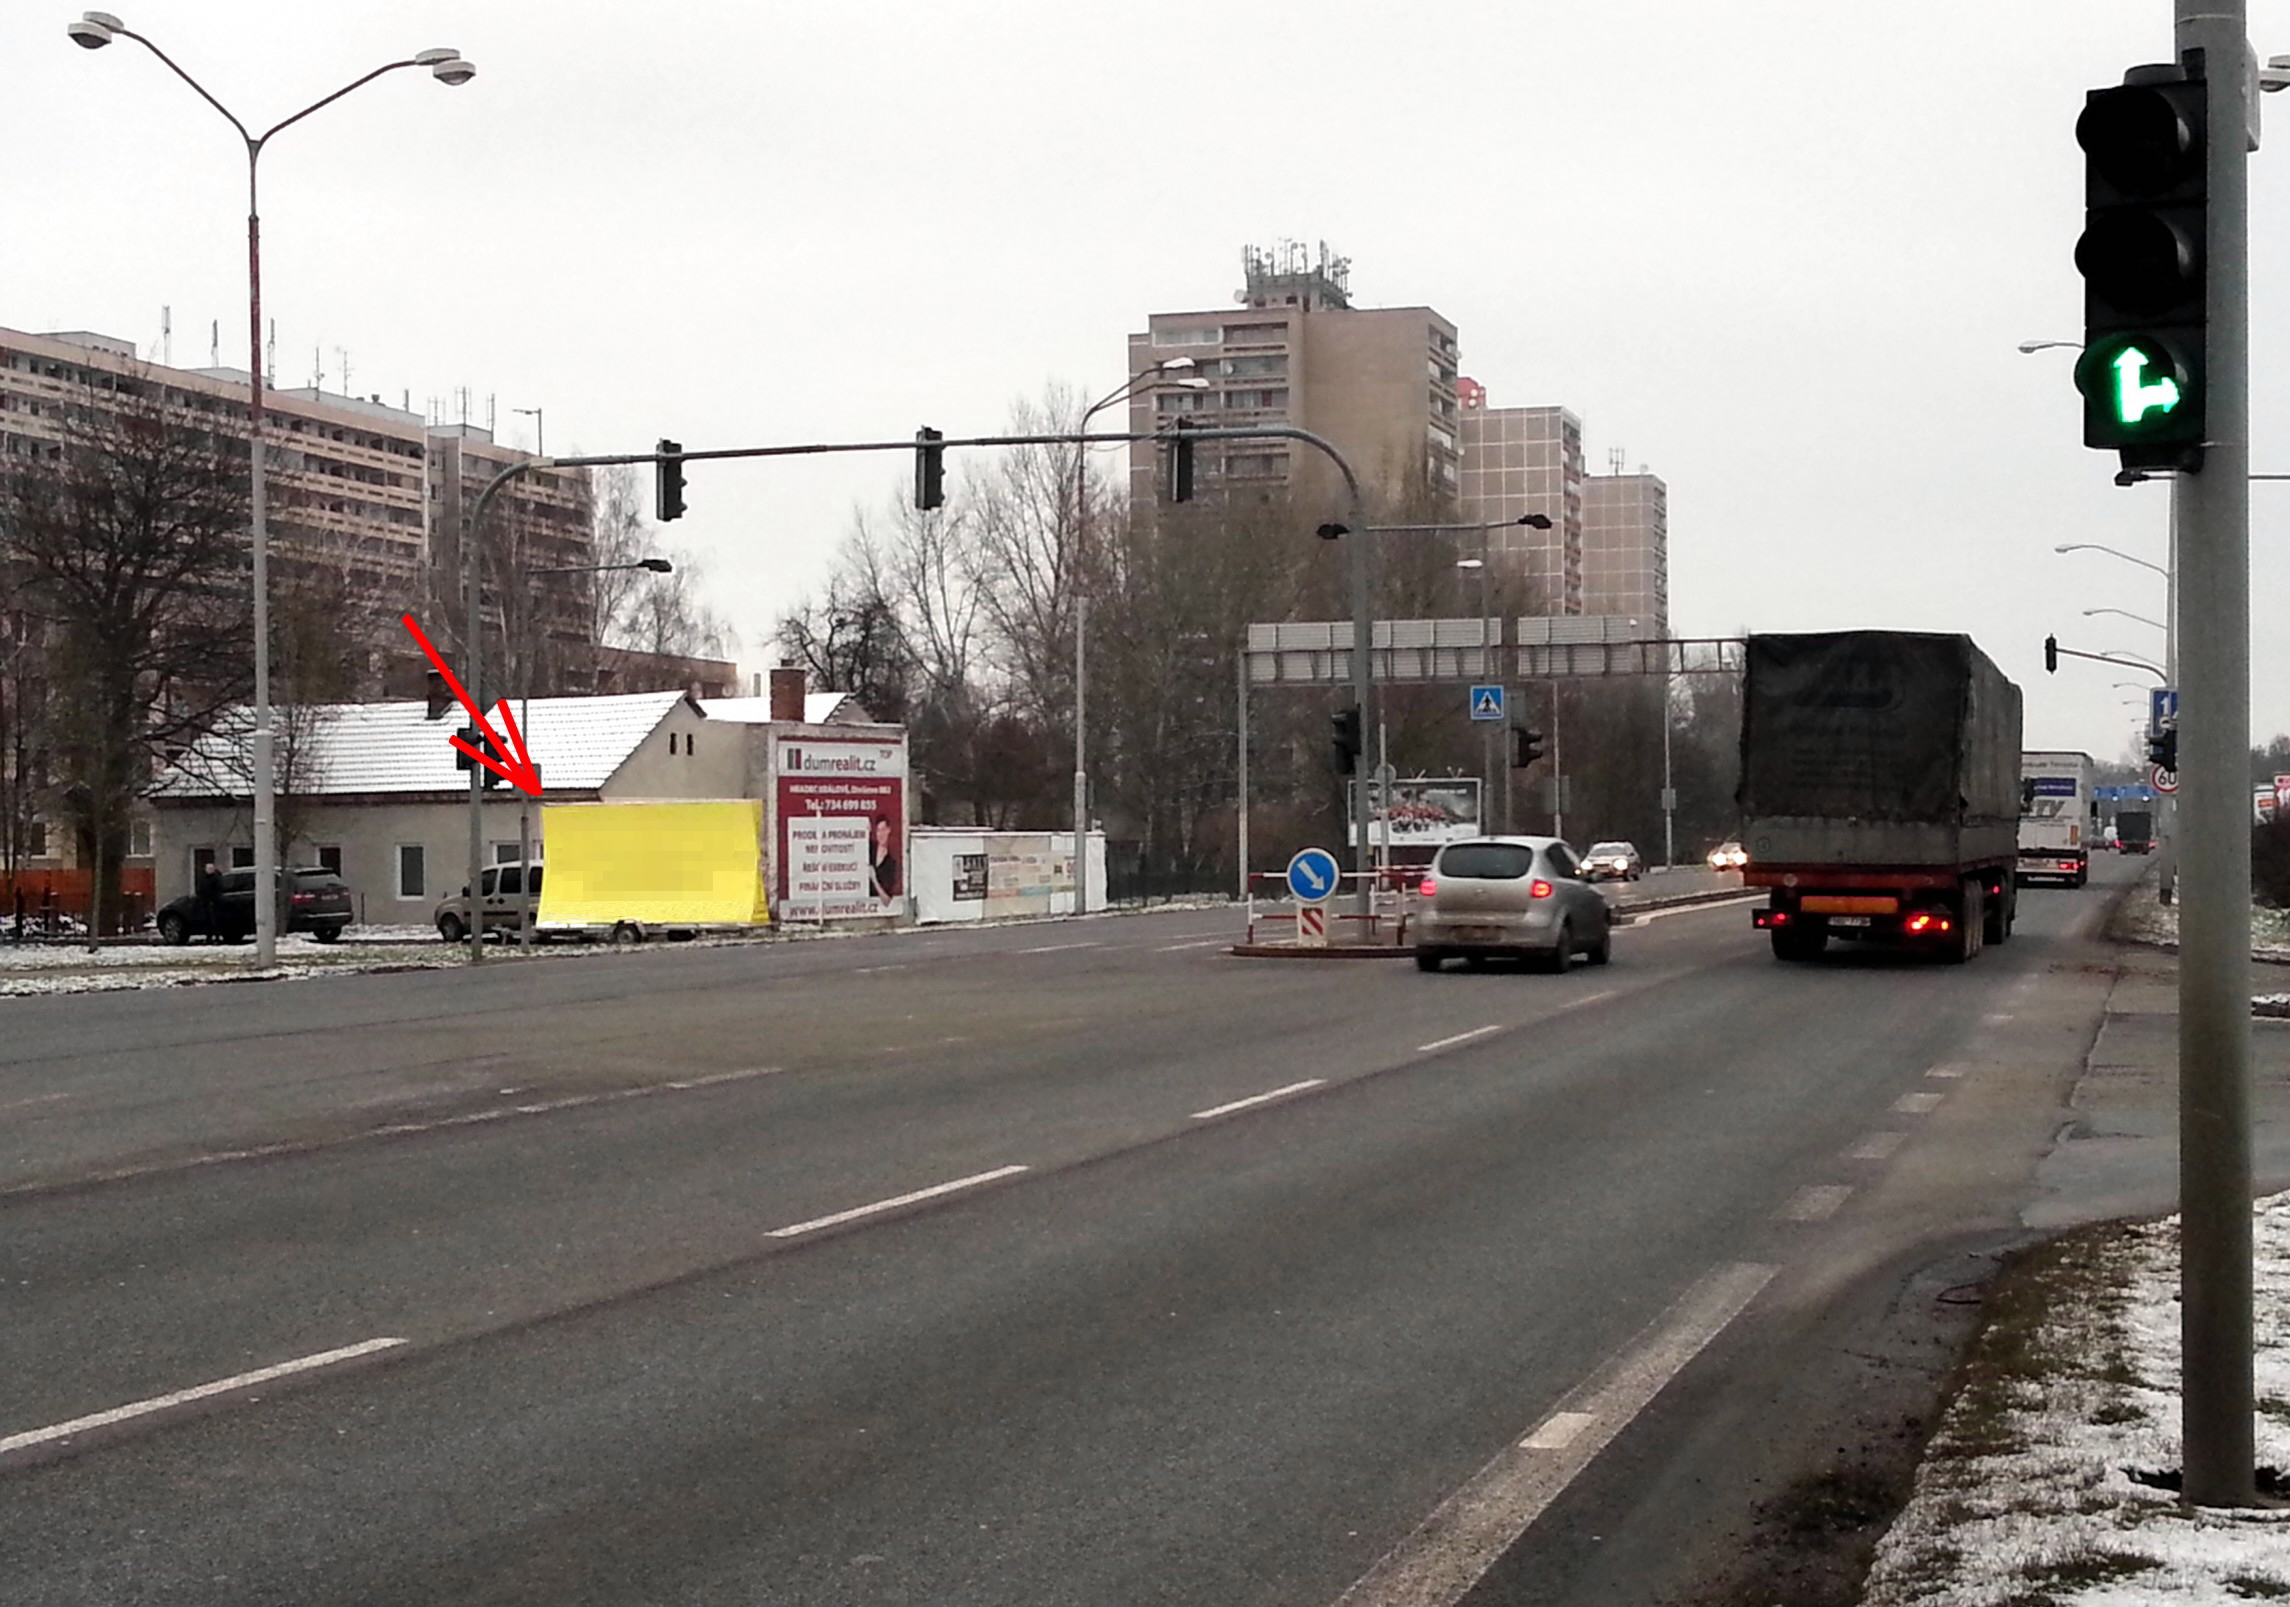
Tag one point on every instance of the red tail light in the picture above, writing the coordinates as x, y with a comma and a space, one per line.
1429, 887
1540, 889
305, 898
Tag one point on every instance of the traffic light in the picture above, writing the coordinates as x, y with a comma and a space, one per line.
668, 480
1180, 462
2145, 194
1526, 747
929, 468
2163, 748
476, 738
1344, 738
2051, 655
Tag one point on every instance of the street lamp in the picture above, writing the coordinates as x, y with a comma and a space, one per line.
93, 31
2125, 614
658, 566
1081, 613
540, 441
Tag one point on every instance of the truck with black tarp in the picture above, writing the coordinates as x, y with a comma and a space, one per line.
1880, 791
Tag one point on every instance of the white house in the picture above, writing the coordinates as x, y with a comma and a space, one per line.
373, 792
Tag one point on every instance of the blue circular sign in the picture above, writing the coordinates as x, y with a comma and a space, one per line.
1313, 876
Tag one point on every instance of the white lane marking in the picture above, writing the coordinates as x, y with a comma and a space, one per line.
1815, 1204
1450, 1550
36, 1099
1644, 916
160, 1403
1917, 1104
1997, 1018
1258, 1099
1204, 943
1946, 1071
1589, 998
1876, 1146
931, 1193
1557, 1432
872, 970
1052, 948
1460, 1037
306, 1146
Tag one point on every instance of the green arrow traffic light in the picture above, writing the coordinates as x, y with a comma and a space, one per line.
2135, 395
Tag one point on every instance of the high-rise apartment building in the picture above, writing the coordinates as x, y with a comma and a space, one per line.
372, 491
1377, 382
1626, 549
1521, 460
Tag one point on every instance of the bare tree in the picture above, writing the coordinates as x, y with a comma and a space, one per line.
131, 541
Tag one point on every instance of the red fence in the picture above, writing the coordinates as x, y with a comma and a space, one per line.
56, 901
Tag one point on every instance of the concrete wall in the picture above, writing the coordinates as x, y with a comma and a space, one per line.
991, 875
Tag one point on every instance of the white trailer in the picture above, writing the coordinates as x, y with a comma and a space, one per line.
2058, 817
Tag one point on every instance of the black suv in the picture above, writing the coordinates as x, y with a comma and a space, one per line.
318, 902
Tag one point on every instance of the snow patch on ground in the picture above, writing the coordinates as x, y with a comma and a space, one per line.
2035, 1502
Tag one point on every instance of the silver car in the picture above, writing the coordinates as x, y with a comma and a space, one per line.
1519, 896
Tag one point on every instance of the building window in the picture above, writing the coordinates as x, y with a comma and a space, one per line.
1208, 336
1249, 367
1180, 401
1257, 465
36, 838
330, 857
242, 856
1256, 334
412, 873
139, 839
504, 853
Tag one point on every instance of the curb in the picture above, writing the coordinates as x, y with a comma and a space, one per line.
1327, 951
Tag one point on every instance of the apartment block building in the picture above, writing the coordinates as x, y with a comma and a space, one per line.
1626, 549
1521, 460
372, 491
1378, 383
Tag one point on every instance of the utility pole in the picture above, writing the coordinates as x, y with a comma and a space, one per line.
2218, 1400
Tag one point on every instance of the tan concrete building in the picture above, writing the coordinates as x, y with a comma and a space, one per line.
1378, 383
354, 482
1520, 460
1626, 549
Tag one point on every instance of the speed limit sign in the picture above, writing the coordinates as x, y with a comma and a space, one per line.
2164, 781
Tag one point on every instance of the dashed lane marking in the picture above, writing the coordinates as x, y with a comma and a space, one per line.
1917, 1104
1815, 1204
1876, 1146
1258, 1099
183, 1397
892, 1204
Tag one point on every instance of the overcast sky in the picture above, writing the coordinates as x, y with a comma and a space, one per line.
1779, 254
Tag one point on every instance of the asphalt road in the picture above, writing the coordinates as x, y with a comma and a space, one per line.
1076, 1262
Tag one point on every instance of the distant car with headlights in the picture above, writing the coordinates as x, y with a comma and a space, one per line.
1728, 856
1612, 862
1511, 897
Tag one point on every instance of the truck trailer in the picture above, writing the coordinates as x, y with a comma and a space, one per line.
2059, 816
630, 871
1880, 791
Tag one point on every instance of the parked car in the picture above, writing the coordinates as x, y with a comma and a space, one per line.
317, 902
500, 891
1728, 856
1521, 897
1618, 862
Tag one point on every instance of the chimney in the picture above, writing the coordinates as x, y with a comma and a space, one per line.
440, 699
787, 694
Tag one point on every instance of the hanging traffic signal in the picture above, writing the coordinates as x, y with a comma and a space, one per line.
1526, 747
1344, 738
2051, 655
929, 468
477, 738
668, 480
2146, 193
1180, 462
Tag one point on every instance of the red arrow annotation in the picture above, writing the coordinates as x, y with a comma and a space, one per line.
519, 768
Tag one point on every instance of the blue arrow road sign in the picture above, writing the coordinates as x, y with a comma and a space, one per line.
1486, 703
1312, 875
2162, 709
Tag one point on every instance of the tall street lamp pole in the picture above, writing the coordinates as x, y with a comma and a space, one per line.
658, 566
93, 31
1081, 615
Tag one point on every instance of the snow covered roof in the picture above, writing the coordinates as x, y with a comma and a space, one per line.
578, 742
819, 708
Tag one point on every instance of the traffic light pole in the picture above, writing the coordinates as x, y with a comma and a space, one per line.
2217, 1401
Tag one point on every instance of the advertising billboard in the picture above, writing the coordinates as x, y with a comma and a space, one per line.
841, 807
1424, 811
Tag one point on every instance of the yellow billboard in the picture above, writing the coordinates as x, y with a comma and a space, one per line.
656, 864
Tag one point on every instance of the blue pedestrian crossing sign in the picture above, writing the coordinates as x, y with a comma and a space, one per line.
1486, 703
1313, 876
